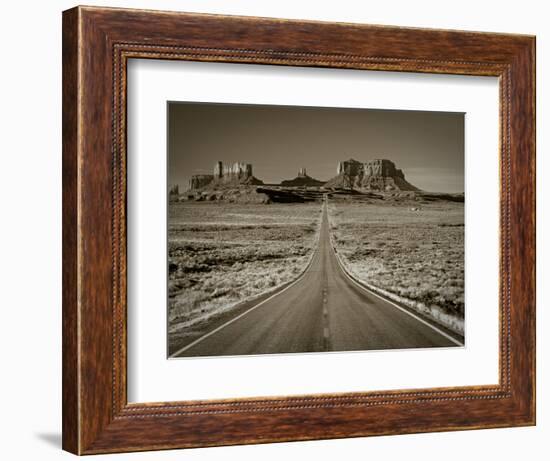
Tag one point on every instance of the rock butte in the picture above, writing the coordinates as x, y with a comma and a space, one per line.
302, 180
374, 175
379, 175
376, 179
235, 174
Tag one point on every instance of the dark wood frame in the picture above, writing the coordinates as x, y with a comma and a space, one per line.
97, 43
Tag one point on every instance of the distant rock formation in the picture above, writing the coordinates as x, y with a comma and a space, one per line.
231, 173
225, 175
174, 192
375, 175
302, 180
379, 174
199, 181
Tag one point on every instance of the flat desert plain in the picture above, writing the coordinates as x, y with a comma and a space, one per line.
410, 252
222, 255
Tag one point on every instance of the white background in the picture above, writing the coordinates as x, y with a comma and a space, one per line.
30, 243
153, 378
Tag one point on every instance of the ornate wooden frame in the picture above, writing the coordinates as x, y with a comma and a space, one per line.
97, 43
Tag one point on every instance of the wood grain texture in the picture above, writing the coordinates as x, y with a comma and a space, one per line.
70, 384
97, 43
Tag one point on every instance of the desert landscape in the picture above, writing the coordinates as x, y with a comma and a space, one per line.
407, 247
298, 229
235, 241
221, 254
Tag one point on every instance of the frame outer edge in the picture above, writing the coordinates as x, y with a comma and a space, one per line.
522, 249
533, 69
70, 189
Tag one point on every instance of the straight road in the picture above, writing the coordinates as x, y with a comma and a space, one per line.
323, 310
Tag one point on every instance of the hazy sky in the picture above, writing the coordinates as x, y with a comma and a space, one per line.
278, 140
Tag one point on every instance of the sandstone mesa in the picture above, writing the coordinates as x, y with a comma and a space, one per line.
374, 175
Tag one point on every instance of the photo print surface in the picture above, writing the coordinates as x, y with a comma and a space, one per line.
309, 229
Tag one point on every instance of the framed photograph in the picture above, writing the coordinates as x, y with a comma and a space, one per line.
281, 230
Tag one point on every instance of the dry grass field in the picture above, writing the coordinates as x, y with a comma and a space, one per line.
220, 254
412, 252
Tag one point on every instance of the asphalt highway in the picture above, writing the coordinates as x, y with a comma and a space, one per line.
323, 310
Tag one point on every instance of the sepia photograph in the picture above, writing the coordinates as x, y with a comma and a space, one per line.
296, 229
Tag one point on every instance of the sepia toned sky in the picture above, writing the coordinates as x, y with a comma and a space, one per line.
278, 140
